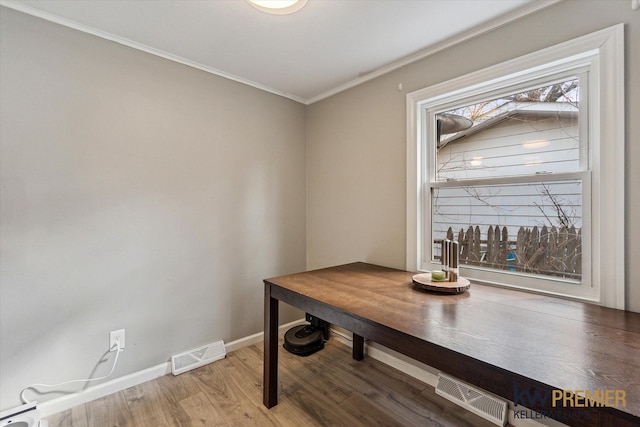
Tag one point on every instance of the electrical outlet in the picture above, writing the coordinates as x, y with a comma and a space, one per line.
116, 337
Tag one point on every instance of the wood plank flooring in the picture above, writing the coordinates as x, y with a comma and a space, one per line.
328, 388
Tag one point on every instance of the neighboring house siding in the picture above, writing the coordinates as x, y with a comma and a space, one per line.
505, 148
514, 146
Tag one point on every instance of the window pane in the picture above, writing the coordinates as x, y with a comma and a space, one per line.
531, 227
520, 134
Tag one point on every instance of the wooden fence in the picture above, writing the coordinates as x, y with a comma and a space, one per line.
555, 252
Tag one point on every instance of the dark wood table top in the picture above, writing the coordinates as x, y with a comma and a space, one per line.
559, 343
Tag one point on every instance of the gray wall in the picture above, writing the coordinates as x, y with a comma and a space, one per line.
136, 193
356, 139
141, 194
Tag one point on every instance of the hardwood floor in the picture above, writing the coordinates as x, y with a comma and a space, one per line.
328, 388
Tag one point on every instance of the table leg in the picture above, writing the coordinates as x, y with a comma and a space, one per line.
270, 378
358, 347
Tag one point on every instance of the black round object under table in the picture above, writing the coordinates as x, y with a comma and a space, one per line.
304, 340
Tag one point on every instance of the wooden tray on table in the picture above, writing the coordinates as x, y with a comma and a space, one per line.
424, 281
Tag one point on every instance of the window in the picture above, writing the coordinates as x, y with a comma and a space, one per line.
509, 177
522, 163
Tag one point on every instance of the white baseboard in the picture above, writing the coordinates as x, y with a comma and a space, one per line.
256, 338
426, 373
411, 367
69, 401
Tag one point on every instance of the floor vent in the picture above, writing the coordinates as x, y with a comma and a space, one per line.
478, 401
197, 357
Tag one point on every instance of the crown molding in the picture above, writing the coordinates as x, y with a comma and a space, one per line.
475, 32
38, 13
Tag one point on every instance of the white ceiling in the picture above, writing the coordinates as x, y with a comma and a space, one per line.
326, 47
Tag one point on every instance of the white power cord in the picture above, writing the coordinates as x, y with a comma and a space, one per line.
116, 346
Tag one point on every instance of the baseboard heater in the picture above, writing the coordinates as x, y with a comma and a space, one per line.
478, 401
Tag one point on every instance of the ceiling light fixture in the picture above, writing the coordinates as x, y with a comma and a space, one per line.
278, 7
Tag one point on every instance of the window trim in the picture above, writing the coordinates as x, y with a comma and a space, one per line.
523, 281
603, 52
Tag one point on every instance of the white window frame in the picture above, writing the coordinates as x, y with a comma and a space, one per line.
602, 54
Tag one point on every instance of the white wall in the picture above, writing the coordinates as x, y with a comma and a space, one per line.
135, 193
356, 164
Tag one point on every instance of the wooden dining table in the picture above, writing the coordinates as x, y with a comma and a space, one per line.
542, 353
